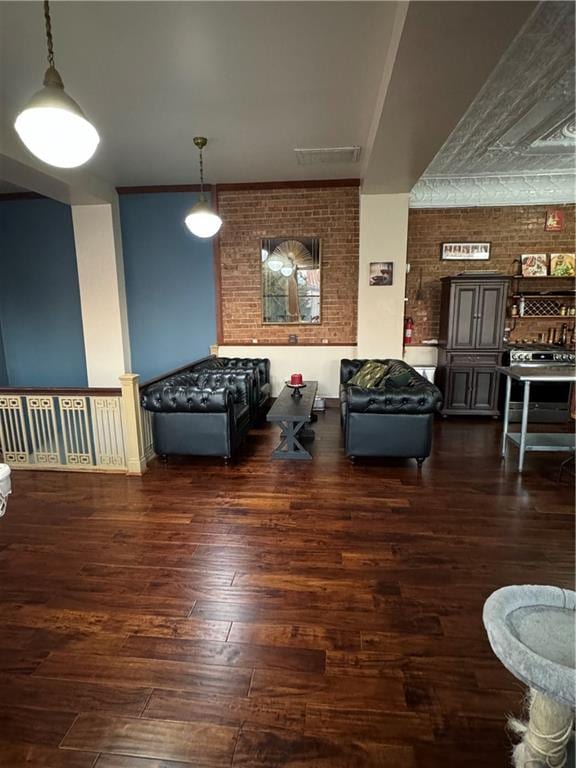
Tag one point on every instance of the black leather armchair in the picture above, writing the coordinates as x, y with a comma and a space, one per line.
388, 421
203, 413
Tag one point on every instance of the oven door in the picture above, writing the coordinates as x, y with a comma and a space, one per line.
548, 401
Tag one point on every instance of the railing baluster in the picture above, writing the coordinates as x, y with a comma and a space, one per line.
79, 430
107, 431
13, 431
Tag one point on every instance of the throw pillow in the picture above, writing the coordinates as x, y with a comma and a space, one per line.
369, 375
397, 380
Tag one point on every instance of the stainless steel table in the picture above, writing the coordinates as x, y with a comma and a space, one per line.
536, 441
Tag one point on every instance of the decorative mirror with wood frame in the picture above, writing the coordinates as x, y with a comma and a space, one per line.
291, 284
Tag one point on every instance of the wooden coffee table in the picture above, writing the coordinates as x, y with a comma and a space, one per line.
292, 415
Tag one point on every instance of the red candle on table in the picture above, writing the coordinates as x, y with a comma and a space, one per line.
296, 379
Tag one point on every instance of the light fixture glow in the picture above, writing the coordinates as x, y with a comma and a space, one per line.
52, 126
274, 264
286, 271
202, 221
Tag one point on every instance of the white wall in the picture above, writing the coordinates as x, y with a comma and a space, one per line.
321, 364
421, 355
383, 237
102, 293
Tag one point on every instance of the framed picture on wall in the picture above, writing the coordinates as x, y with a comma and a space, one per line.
465, 252
381, 272
562, 265
534, 264
554, 221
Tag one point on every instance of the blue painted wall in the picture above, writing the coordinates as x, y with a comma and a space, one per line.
40, 312
3, 369
169, 283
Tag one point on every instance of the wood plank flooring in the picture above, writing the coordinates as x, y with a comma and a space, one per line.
270, 614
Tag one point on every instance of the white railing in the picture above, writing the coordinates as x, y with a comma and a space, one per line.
147, 435
81, 430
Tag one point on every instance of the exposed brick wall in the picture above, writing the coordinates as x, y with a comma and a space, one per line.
511, 230
330, 213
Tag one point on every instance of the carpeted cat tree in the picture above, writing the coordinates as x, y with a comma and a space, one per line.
531, 630
5, 487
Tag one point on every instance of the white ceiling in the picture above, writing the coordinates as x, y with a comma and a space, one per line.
257, 79
6, 188
446, 52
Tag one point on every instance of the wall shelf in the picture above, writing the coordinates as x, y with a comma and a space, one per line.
540, 296
542, 317
543, 277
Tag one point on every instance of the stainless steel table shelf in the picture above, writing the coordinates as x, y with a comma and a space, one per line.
534, 441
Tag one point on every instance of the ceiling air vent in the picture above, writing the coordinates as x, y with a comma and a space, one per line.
317, 155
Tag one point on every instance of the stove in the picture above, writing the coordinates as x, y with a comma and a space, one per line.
540, 354
549, 400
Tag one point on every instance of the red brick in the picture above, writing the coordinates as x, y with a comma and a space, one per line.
330, 213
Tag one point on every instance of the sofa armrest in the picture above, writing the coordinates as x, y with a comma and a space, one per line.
424, 397
187, 398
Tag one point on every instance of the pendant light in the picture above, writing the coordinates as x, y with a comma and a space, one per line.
52, 125
202, 221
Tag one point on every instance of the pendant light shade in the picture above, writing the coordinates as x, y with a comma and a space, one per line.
202, 221
54, 128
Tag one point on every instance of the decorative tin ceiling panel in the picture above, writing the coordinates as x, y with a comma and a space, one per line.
516, 142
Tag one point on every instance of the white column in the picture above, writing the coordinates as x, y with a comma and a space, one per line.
383, 237
132, 424
102, 292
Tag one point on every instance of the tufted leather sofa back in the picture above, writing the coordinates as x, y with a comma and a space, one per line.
261, 364
190, 392
350, 367
240, 384
186, 398
418, 396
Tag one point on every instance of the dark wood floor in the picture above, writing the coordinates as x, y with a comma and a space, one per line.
271, 613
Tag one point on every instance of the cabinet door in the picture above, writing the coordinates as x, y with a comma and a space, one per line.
463, 320
490, 315
484, 396
458, 389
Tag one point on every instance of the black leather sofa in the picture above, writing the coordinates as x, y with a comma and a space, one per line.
203, 413
259, 366
207, 407
388, 421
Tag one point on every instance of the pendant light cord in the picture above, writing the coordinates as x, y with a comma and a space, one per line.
201, 175
49, 41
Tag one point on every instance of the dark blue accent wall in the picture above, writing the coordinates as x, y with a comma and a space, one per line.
3, 369
40, 313
169, 283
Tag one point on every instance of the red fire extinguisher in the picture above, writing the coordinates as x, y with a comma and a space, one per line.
408, 329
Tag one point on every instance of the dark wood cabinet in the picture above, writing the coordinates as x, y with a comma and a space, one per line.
484, 394
463, 321
472, 318
457, 389
491, 315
